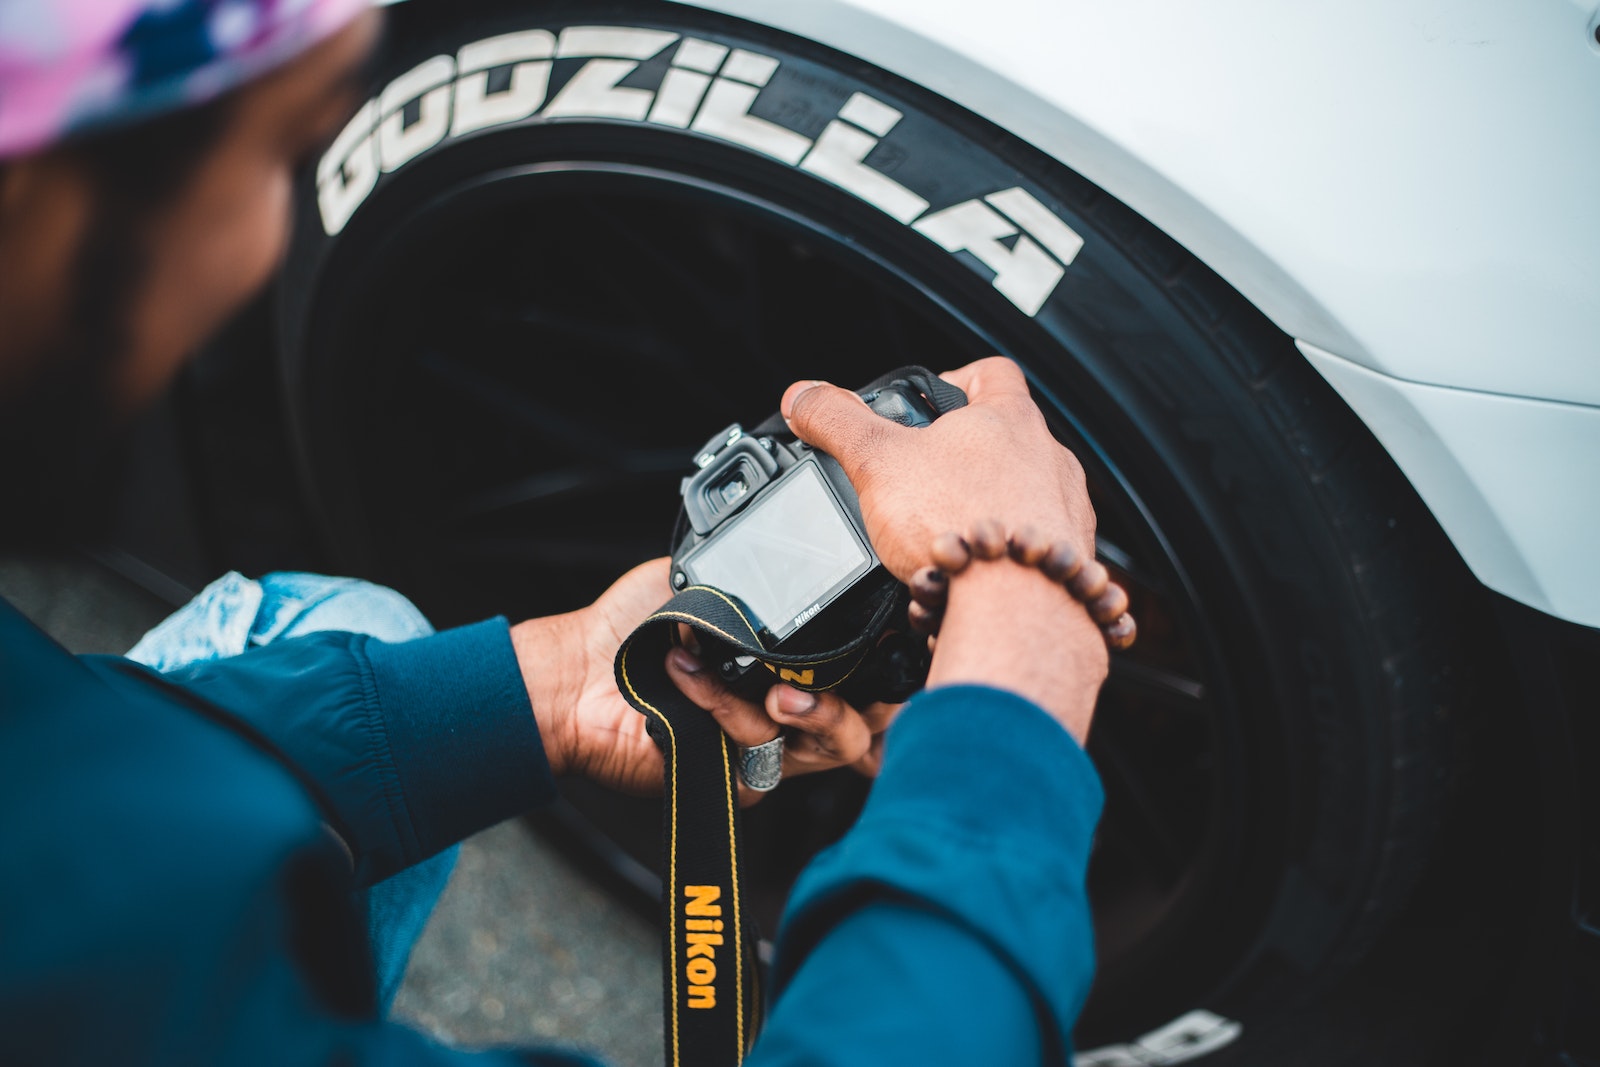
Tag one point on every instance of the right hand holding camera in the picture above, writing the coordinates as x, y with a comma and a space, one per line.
1006, 626
994, 458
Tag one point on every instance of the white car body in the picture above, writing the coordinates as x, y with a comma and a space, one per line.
1407, 188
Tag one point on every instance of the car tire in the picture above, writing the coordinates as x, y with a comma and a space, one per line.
506, 327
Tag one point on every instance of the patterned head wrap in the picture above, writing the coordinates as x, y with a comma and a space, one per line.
68, 66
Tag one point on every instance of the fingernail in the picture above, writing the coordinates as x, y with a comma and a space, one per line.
792, 701
685, 662
789, 399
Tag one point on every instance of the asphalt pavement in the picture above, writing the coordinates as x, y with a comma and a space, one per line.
523, 948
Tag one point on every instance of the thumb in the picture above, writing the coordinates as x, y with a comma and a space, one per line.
835, 420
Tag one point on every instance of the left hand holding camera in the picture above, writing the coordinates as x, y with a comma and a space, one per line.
588, 729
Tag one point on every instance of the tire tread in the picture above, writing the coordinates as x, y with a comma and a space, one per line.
1407, 580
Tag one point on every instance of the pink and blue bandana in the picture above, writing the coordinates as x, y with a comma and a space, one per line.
68, 66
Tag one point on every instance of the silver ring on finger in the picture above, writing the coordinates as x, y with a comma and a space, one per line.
761, 766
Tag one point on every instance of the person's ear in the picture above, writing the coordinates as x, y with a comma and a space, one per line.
19, 184
14, 181
44, 210
39, 189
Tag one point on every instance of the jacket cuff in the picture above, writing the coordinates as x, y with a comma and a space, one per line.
985, 811
460, 731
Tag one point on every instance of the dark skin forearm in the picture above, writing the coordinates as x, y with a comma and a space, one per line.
1009, 626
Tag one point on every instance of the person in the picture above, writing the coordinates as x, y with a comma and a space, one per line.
198, 842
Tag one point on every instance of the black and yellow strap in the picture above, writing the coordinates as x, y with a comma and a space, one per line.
712, 991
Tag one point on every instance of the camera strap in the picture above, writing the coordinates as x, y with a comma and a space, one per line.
711, 986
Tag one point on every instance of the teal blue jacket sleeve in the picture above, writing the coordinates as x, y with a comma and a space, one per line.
951, 924
172, 895
407, 748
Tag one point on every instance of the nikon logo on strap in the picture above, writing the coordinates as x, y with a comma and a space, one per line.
702, 927
712, 994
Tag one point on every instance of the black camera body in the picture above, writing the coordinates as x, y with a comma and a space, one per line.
776, 525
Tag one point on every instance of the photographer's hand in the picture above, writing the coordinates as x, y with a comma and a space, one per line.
588, 729
994, 458
1005, 625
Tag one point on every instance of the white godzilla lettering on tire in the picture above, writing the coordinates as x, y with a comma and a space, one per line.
593, 91
684, 86
528, 55
708, 89
348, 170
429, 84
1186, 1038
726, 110
1023, 273
839, 153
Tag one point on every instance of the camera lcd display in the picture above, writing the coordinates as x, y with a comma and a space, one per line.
788, 551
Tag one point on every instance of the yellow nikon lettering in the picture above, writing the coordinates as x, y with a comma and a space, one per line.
700, 944
702, 899
805, 677
701, 938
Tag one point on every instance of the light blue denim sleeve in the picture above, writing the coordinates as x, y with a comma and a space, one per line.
235, 613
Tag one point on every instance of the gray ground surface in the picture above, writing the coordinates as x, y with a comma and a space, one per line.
522, 948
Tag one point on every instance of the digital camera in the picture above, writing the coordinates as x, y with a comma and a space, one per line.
775, 525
